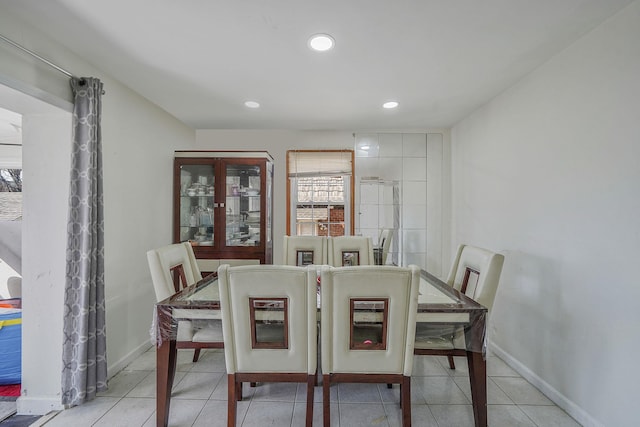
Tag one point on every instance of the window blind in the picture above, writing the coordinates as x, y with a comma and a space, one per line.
301, 163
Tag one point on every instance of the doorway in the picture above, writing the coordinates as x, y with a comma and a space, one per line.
46, 152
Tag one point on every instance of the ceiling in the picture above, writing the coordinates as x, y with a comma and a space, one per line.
200, 60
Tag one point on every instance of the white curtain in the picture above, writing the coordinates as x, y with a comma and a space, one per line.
84, 371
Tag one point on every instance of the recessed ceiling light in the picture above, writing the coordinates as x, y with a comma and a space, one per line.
252, 104
390, 104
321, 42
365, 147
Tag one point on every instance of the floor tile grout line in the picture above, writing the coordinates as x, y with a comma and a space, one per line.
528, 417
107, 411
196, 417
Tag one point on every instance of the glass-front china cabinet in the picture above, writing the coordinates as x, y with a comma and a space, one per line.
223, 204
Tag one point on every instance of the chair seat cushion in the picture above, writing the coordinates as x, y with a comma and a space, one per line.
208, 332
434, 336
434, 343
185, 331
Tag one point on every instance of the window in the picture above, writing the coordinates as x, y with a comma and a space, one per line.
320, 192
10, 194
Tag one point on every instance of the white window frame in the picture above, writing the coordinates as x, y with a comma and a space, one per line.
330, 163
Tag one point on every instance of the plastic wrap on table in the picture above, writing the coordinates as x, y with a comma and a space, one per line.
471, 337
189, 317
454, 320
465, 318
476, 333
163, 328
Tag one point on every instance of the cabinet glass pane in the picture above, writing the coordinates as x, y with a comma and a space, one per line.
197, 192
242, 209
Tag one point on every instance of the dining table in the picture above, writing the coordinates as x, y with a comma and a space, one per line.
438, 304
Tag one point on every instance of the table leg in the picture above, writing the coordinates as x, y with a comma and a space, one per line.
166, 356
478, 380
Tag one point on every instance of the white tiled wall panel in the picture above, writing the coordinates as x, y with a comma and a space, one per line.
370, 232
414, 169
414, 240
368, 216
367, 167
370, 141
414, 145
369, 194
385, 216
414, 217
415, 160
390, 168
414, 258
390, 144
415, 192
435, 203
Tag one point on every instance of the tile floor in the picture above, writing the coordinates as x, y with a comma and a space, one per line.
440, 398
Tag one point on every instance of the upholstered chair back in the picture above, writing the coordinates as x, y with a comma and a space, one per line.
170, 262
346, 348
304, 250
476, 272
350, 251
269, 318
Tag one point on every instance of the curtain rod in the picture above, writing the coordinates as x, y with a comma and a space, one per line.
38, 57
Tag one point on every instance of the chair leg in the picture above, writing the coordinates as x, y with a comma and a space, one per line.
311, 381
196, 355
405, 401
452, 364
239, 392
231, 400
326, 407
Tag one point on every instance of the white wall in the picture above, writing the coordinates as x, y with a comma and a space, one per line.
549, 174
138, 142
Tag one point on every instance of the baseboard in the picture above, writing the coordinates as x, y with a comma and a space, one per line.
579, 414
127, 359
31, 405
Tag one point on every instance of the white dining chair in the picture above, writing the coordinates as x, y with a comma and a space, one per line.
304, 250
350, 251
476, 273
269, 321
368, 328
173, 267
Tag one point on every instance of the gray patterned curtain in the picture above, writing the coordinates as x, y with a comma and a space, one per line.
84, 354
